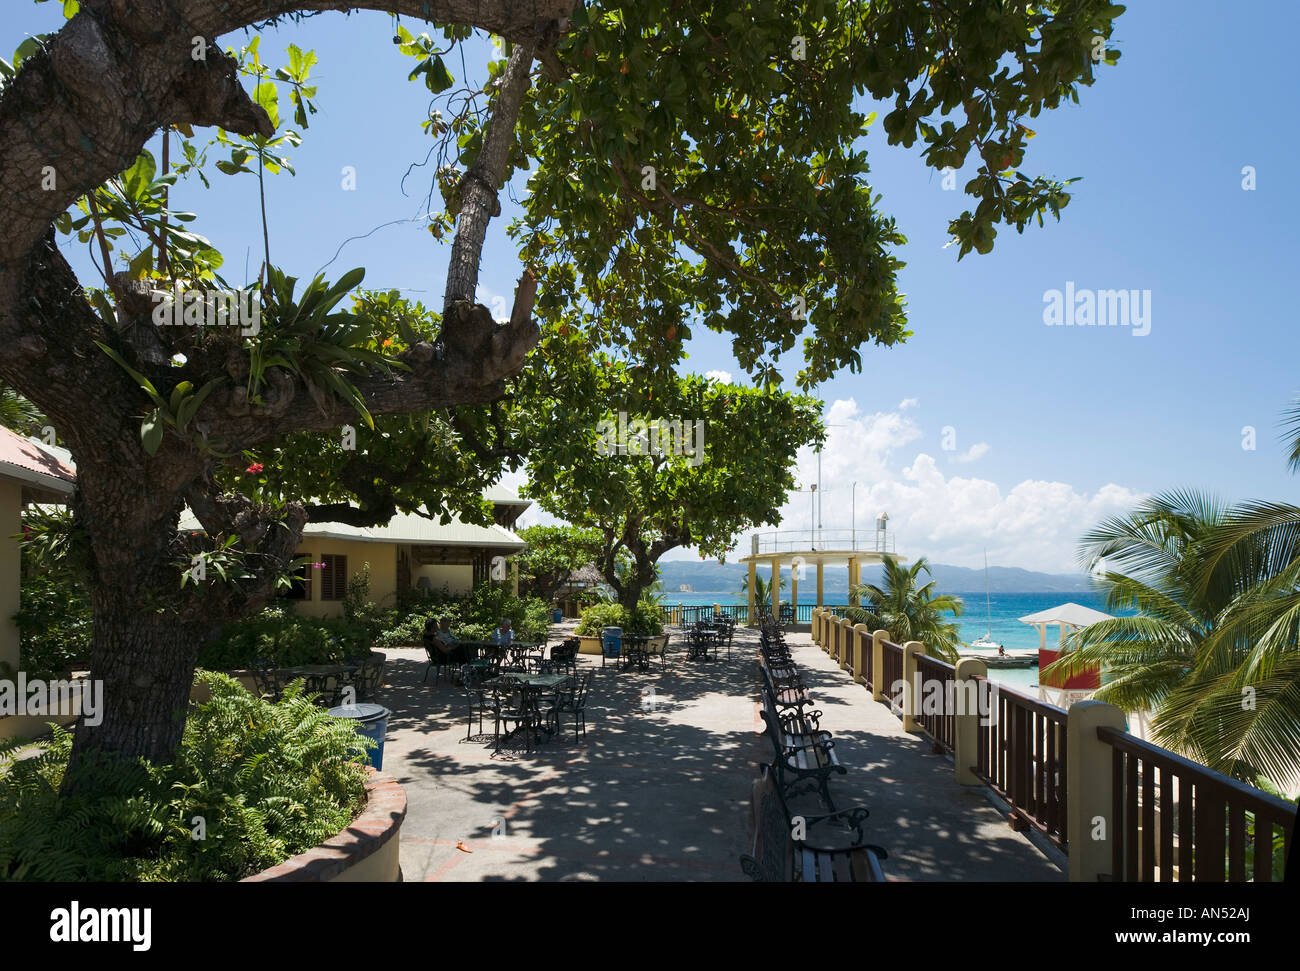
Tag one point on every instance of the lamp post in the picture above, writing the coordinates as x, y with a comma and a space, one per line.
812, 513
853, 512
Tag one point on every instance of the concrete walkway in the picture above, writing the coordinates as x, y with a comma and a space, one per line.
659, 788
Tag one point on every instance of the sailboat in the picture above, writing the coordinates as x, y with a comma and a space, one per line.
987, 643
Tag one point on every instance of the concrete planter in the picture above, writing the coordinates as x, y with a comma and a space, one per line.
366, 851
591, 645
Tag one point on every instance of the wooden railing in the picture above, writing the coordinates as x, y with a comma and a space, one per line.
1022, 757
687, 614
891, 673
941, 726
1175, 819
1165, 817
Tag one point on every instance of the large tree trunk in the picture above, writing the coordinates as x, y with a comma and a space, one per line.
146, 663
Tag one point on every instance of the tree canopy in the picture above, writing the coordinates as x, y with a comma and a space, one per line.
686, 162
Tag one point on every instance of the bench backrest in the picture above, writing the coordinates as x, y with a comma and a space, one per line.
771, 853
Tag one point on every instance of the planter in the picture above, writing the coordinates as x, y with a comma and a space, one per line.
591, 644
365, 851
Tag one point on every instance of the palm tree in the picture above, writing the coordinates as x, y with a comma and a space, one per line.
762, 589
1211, 652
912, 611
19, 414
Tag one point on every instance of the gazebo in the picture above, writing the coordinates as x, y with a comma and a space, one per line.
815, 548
1068, 617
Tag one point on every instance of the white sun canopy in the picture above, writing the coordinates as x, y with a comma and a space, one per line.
1070, 614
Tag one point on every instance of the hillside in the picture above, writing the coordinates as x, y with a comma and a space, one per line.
709, 577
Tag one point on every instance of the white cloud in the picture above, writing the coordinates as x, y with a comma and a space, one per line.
721, 376
496, 303
1035, 524
978, 450
907, 403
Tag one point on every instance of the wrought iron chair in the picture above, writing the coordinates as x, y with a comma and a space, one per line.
564, 658
571, 699
516, 703
476, 696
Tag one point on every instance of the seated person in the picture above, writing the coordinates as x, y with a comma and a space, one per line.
503, 634
438, 637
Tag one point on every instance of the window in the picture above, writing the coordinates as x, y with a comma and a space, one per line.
300, 588
333, 577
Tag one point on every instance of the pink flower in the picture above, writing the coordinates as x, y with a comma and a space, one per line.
254, 468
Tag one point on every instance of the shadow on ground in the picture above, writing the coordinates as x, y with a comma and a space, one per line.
659, 787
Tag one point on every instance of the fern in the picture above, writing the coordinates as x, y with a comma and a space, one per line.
270, 780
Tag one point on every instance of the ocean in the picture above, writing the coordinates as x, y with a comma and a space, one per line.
1005, 611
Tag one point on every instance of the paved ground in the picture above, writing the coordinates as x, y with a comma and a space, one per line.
659, 788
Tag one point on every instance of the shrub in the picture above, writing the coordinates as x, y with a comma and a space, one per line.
54, 623
284, 639
269, 780
598, 615
644, 618
360, 611
405, 632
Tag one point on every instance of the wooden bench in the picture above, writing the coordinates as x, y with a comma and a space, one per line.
801, 756
787, 692
831, 850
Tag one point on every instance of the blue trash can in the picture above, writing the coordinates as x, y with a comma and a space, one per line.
557, 616
612, 640
372, 722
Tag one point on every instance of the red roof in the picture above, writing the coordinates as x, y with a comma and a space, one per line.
22, 453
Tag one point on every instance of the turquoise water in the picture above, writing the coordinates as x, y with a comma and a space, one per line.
1003, 624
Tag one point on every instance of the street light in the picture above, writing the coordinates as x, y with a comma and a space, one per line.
853, 512
812, 515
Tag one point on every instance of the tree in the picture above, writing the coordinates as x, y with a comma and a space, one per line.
912, 611
762, 590
1212, 651
760, 219
553, 553
676, 462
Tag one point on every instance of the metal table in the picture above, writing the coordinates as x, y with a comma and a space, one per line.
531, 688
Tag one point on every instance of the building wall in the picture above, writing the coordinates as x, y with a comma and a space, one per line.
459, 580
11, 523
382, 558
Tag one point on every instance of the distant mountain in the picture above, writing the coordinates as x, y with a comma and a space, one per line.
709, 577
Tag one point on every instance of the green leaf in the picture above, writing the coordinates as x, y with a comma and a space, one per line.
437, 77
151, 432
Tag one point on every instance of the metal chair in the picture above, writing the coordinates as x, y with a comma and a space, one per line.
516, 703
572, 699
476, 696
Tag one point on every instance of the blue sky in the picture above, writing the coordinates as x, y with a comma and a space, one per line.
1053, 427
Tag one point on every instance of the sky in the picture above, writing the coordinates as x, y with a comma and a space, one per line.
988, 429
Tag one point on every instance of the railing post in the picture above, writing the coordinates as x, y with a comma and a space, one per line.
817, 626
846, 644
912, 685
1089, 826
967, 720
860, 639
879, 690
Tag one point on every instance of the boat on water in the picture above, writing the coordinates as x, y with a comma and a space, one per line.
992, 653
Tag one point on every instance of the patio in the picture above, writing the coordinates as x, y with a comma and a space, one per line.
659, 788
